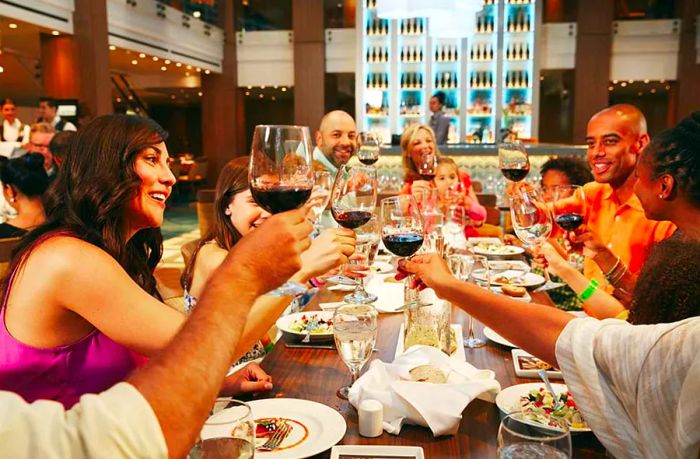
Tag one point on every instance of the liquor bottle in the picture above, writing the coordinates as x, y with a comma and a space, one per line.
527, 52
420, 55
527, 80
490, 80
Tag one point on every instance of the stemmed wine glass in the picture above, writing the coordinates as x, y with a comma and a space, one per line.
475, 268
517, 437
367, 245
532, 222
353, 200
568, 206
402, 226
368, 148
321, 195
355, 332
427, 165
513, 161
281, 175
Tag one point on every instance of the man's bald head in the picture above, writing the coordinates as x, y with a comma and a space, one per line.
336, 137
626, 115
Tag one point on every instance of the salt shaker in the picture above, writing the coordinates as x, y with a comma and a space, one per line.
371, 415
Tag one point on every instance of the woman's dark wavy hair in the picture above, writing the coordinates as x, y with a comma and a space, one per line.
232, 180
676, 151
26, 174
88, 198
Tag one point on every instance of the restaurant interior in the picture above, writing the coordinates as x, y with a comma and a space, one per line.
350, 229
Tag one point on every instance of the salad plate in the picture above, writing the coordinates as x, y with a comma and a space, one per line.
532, 399
320, 323
496, 338
497, 249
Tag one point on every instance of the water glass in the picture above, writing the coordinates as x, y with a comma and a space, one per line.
355, 333
228, 433
519, 439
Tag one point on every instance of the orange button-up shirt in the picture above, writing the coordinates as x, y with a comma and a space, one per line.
622, 227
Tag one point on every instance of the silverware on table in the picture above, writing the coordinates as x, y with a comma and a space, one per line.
277, 438
557, 402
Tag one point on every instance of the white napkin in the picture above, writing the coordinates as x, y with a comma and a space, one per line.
436, 406
389, 294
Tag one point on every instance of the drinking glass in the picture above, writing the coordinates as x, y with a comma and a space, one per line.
519, 439
355, 333
513, 161
475, 268
368, 148
281, 175
321, 194
353, 200
568, 206
401, 226
453, 229
228, 433
365, 250
427, 165
532, 222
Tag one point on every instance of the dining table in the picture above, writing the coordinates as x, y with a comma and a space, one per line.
316, 374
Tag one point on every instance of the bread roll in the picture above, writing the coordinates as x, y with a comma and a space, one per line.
513, 290
428, 373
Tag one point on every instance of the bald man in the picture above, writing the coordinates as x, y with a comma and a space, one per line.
620, 236
335, 140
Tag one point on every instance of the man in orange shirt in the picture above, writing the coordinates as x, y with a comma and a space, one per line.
617, 237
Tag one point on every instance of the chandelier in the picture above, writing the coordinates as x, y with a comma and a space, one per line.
446, 18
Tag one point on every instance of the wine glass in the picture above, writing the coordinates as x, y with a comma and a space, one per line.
568, 206
281, 175
368, 148
353, 200
453, 229
519, 438
513, 161
402, 227
476, 269
365, 250
228, 433
427, 165
532, 222
320, 195
355, 332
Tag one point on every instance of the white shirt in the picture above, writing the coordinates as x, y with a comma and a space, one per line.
638, 387
11, 132
327, 164
118, 422
68, 127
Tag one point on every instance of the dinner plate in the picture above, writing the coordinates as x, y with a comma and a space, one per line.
518, 278
506, 265
508, 401
381, 267
496, 338
500, 250
284, 322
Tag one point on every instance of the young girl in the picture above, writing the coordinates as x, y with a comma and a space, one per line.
455, 190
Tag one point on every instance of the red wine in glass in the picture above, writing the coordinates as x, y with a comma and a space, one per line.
403, 245
351, 219
281, 198
368, 161
515, 174
569, 221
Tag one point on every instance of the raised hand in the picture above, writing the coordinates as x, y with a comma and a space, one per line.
329, 250
430, 271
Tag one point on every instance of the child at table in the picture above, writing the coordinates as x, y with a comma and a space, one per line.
456, 195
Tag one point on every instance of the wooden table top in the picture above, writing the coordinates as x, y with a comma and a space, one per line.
316, 374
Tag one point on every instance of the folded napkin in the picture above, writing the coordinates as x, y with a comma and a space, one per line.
436, 406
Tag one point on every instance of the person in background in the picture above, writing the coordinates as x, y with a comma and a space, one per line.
451, 193
80, 308
159, 410
335, 141
237, 214
24, 181
439, 123
47, 114
40, 136
12, 129
563, 171
59, 145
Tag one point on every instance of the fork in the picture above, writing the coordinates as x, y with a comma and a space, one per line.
277, 438
557, 402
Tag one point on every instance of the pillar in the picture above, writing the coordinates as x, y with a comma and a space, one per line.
309, 62
59, 64
593, 57
688, 99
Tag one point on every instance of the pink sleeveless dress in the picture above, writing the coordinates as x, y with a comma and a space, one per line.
91, 365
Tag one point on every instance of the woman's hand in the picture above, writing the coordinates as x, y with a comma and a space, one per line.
430, 270
549, 257
248, 379
593, 247
419, 188
329, 250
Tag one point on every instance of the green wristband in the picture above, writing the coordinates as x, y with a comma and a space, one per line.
590, 290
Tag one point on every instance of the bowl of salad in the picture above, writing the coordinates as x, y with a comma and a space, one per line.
318, 323
537, 404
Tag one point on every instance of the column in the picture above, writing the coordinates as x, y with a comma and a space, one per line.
223, 136
593, 56
309, 63
688, 99
59, 67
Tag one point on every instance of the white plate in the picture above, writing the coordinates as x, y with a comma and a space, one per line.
377, 451
284, 322
498, 250
389, 293
325, 426
522, 279
458, 354
496, 338
507, 265
519, 355
485, 240
525, 298
508, 400
381, 267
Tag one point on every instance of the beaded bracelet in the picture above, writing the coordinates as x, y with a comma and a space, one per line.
589, 291
617, 263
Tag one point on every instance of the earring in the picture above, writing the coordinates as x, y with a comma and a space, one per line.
661, 196
12, 199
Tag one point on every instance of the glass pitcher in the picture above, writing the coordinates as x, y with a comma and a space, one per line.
428, 325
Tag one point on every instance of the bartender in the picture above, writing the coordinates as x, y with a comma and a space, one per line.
438, 121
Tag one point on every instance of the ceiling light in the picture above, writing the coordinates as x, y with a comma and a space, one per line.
631, 81
142, 55
179, 64
2, 69
610, 88
639, 93
207, 71
112, 47
250, 87
662, 81
247, 93
55, 32
200, 93
261, 95
164, 68
283, 89
262, 87
646, 81
119, 99
668, 86
13, 25
196, 14
167, 61
275, 86
653, 90
623, 84
189, 67
155, 58
274, 98
187, 73
199, 69
614, 81
134, 62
